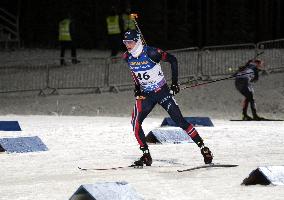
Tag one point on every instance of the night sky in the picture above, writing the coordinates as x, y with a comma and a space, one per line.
164, 23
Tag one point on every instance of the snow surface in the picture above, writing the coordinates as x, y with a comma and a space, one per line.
108, 142
93, 130
275, 174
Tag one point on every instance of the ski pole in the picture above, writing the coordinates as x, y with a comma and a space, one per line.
221, 79
133, 16
213, 81
258, 54
205, 83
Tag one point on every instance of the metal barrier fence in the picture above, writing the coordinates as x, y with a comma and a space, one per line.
89, 75
118, 73
224, 60
38, 75
273, 53
24, 78
188, 62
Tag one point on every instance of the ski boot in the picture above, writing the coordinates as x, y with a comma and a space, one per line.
208, 156
258, 118
145, 159
246, 117
205, 151
255, 115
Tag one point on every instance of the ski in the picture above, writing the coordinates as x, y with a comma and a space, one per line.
257, 120
212, 165
111, 168
168, 163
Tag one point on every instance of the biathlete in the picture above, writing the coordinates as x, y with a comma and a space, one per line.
245, 76
151, 89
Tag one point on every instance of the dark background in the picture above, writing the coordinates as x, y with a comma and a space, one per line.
165, 23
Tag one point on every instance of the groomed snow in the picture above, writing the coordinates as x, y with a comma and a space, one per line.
108, 142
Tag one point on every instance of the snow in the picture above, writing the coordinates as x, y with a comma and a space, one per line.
107, 191
94, 130
273, 173
109, 142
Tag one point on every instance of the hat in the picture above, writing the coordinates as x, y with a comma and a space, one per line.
133, 35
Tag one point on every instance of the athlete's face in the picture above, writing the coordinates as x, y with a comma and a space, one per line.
130, 44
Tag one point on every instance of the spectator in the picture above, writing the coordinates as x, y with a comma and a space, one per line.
114, 27
66, 39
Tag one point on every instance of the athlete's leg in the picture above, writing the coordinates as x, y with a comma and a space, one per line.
242, 86
167, 101
248, 93
252, 103
141, 109
245, 106
172, 108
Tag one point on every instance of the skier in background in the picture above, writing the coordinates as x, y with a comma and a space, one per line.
245, 76
151, 89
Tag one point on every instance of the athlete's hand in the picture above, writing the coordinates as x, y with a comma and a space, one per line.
174, 88
138, 94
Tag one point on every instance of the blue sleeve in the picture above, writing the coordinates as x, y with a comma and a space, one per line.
157, 55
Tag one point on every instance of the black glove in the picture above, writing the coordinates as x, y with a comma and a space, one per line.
174, 88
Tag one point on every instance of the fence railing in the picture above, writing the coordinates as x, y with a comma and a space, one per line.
273, 53
222, 60
107, 73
